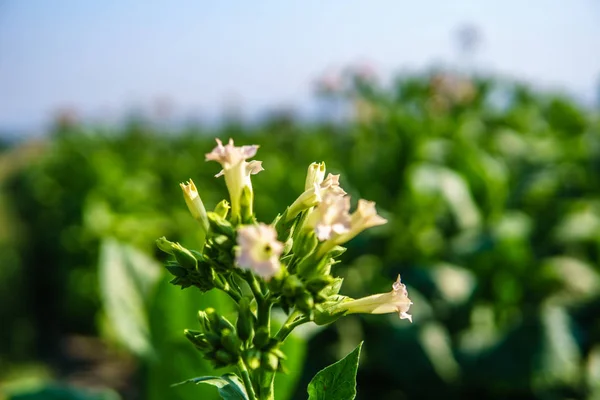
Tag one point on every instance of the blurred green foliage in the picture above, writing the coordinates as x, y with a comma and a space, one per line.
492, 192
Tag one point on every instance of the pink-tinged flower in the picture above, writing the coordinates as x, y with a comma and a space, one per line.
314, 194
331, 217
236, 170
363, 218
396, 301
259, 250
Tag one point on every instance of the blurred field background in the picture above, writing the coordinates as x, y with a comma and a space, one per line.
490, 183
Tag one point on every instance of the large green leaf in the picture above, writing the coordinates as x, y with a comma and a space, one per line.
338, 381
127, 278
229, 385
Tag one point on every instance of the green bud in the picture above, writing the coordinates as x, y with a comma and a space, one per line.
246, 205
337, 251
225, 358
198, 339
204, 321
292, 286
305, 302
269, 361
222, 209
245, 321
319, 283
231, 342
224, 324
252, 357
214, 320
262, 337
184, 257
220, 225
213, 339
165, 245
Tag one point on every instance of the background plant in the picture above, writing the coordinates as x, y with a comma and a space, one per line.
492, 202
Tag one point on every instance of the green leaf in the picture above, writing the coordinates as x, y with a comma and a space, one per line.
128, 278
338, 381
229, 385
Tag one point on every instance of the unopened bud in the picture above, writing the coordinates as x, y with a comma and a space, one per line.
315, 174
269, 361
220, 225
224, 357
305, 302
194, 203
222, 209
184, 257
204, 321
292, 286
231, 342
246, 205
252, 357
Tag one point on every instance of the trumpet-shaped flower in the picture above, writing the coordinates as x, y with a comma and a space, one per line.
315, 194
330, 218
395, 301
236, 170
363, 218
194, 203
258, 250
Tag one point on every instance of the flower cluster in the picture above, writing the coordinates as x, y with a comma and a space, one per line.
285, 264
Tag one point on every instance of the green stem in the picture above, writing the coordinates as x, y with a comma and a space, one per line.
224, 286
290, 324
246, 379
266, 386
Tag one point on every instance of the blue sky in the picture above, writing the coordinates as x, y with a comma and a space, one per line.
107, 57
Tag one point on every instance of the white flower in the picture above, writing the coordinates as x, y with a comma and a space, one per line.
258, 250
194, 203
314, 194
330, 218
363, 218
235, 169
395, 301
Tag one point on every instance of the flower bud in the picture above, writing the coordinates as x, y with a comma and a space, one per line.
204, 321
194, 203
269, 361
315, 174
223, 357
231, 342
305, 302
222, 209
292, 286
213, 319
252, 357
184, 257
246, 205
220, 225
319, 283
